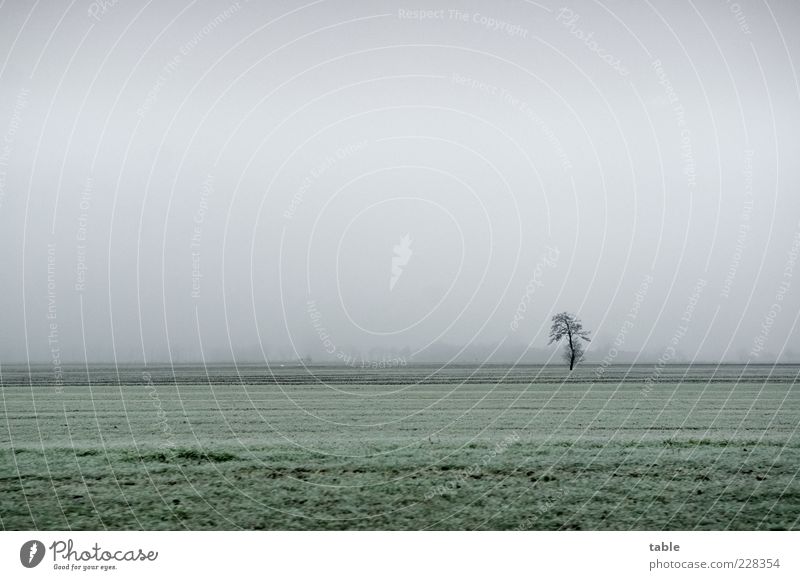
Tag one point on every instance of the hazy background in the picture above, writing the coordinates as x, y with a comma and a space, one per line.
229, 180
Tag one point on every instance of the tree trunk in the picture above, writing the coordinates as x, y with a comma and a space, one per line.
571, 348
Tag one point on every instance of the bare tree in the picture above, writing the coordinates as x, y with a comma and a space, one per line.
567, 325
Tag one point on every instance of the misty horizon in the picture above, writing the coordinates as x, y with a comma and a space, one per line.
234, 181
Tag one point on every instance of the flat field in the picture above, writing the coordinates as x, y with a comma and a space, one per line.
493, 447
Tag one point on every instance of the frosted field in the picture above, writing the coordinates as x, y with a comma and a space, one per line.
409, 448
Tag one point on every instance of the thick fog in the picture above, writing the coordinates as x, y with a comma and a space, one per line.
347, 181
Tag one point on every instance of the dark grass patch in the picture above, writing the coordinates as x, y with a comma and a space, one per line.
202, 455
690, 443
185, 454
86, 452
66, 451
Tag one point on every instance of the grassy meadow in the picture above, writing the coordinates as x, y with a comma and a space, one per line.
493, 447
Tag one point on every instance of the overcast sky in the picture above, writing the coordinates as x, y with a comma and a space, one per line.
334, 179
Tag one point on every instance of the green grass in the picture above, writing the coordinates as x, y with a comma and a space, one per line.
499, 448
